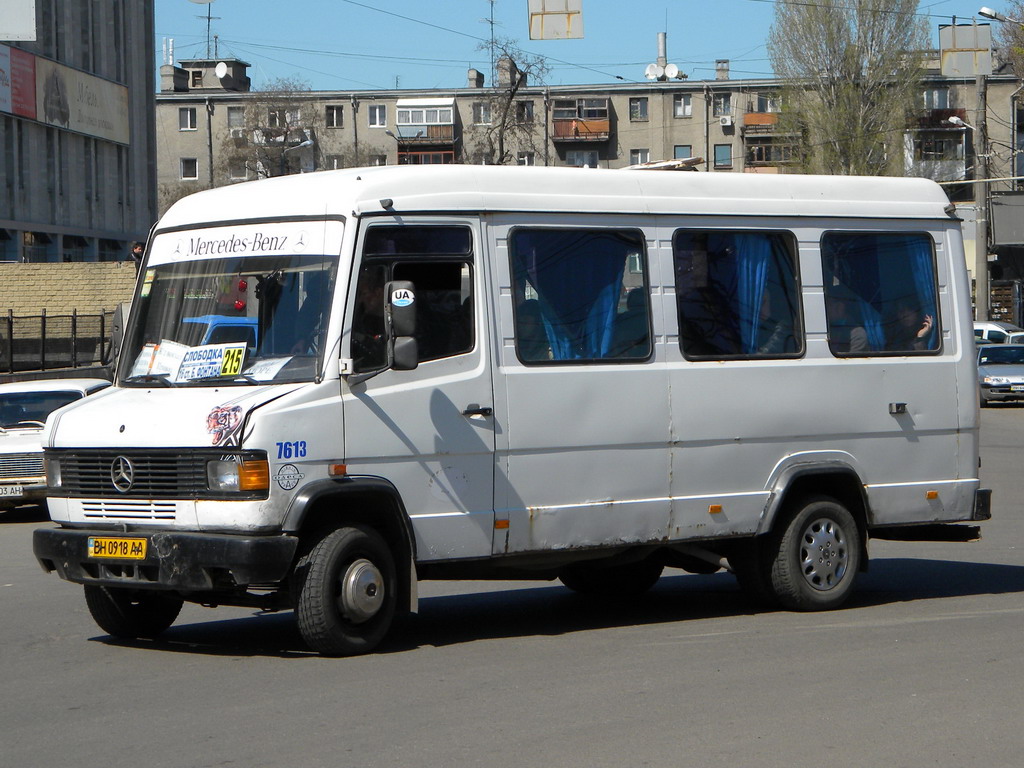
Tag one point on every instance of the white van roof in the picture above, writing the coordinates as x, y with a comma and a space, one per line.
467, 188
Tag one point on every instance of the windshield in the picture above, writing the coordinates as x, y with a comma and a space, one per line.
30, 409
237, 320
1001, 355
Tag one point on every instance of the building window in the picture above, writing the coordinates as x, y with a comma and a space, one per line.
195, 78
236, 117
186, 118
880, 293
377, 116
423, 116
237, 170
481, 113
561, 317
723, 155
766, 102
526, 158
638, 109
524, 111
761, 151
189, 168
581, 157
378, 159
682, 105
334, 162
682, 151
737, 294
938, 146
936, 98
276, 118
334, 116
637, 156
721, 104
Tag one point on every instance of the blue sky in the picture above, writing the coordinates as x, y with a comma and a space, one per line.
381, 44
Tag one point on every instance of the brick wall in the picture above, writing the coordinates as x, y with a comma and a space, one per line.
61, 288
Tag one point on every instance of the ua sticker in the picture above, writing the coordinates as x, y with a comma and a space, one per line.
402, 297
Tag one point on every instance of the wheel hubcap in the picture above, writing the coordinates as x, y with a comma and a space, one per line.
362, 591
823, 554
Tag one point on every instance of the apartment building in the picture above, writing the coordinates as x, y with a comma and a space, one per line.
77, 153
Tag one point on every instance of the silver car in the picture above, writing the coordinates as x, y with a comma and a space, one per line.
1001, 372
24, 407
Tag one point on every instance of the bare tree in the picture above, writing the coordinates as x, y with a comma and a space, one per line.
504, 122
1010, 38
851, 71
282, 126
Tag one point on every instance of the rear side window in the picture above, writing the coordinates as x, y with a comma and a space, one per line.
737, 294
880, 293
580, 295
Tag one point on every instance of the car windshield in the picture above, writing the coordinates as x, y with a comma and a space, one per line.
30, 409
1002, 355
236, 320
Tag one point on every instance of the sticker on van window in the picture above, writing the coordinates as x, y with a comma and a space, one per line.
211, 360
402, 297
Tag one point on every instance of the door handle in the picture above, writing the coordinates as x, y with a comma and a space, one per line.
477, 410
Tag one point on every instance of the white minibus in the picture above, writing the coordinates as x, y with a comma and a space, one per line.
465, 372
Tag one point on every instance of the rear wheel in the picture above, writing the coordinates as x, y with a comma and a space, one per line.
347, 592
591, 578
816, 556
130, 613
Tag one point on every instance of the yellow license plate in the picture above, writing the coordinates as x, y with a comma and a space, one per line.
117, 547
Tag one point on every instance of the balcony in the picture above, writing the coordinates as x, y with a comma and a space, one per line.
760, 122
581, 130
424, 133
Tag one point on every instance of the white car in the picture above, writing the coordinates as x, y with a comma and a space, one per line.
24, 406
994, 331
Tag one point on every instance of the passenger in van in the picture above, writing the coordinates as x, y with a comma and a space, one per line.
774, 336
845, 332
368, 341
910, 330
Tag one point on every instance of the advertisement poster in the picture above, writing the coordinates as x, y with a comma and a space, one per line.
81, 102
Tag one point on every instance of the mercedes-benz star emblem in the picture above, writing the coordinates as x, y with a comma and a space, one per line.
122, 474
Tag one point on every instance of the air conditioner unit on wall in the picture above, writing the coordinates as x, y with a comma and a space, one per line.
725, 121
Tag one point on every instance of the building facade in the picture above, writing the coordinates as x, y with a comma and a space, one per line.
77, 152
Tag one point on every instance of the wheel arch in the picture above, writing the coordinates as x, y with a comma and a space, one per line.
831, 477
325, 505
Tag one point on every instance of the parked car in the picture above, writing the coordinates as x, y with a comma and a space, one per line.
994, 331
24, 407
1001, 372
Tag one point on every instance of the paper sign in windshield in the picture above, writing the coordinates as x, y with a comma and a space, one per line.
211, 360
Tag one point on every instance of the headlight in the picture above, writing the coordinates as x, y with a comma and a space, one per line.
52, 469
242, 475
995, 380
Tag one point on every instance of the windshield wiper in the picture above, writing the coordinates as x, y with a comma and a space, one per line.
241, 378
160, 378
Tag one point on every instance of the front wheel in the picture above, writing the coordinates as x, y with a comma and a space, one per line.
816, 558
348, 591
130, 613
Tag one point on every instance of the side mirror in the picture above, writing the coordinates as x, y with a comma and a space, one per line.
401, 313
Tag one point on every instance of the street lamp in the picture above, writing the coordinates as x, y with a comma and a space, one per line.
988, 13
286, 150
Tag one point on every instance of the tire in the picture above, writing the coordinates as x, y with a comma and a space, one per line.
130, 613
816, 556
752, 573
591, 578
348, 590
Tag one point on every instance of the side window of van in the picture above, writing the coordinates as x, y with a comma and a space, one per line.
580, 295
438, 260
880, 293
737, 294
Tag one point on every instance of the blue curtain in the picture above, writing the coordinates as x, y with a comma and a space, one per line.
578, 279
924, 281
753, 254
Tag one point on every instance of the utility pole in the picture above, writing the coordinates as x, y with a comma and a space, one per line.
981, 283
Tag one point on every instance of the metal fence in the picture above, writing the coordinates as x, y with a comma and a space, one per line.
40, 342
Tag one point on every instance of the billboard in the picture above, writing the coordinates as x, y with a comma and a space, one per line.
556, 19
80, 102
17, 20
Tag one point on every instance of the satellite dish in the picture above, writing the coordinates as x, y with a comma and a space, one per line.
654, 71
671, 70
221, 69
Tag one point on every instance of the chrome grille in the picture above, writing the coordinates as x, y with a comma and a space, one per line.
157, 475
18, 465
110, 509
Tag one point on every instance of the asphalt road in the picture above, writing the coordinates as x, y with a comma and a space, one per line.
924, 668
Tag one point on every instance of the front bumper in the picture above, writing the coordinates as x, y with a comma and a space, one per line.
187, 562
999, 393
32, 490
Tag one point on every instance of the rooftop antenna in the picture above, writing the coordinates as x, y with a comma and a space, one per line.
209, 18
